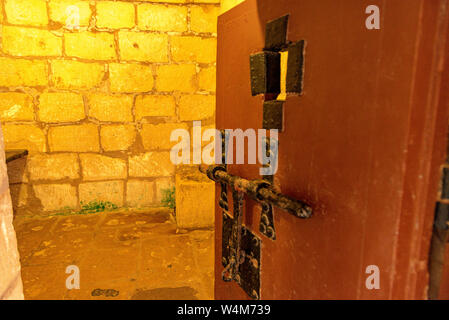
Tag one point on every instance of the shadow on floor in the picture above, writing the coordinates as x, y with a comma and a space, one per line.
120, 255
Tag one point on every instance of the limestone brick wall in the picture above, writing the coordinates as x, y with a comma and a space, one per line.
95, 105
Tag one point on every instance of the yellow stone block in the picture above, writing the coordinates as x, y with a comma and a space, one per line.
139, 193
56, 196
195, 199
207, 79
130, 77
116, 108
196, 107
26, 12
157, 17
191, 48
68, 12
90, 45
75, 138
202, 143
204, 18
16, 106
176, 78
115, 15
53, 166
117, 137
157, 136
60, 107
24, 136
151, 164
111, 191
68, 74
155, 106
21, 72
98, 167
135, 46
24, 42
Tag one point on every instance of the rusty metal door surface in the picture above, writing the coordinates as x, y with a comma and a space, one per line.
361, 145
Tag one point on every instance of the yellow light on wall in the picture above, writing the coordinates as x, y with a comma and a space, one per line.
228, 5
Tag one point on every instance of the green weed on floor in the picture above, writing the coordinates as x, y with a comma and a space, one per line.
89, 208
169, 197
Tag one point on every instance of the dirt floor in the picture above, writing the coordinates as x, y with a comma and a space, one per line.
120, 255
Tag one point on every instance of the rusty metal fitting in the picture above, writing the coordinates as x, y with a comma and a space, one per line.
258, 190
211, 172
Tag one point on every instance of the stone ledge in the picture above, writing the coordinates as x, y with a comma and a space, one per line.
195, 199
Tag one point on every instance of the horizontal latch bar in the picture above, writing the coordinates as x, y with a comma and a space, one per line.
258, 190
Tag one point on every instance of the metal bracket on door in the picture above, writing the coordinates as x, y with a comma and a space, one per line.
266, 224
241, 248
258, 190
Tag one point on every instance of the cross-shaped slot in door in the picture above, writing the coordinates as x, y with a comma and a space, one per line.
276, 72
267, 73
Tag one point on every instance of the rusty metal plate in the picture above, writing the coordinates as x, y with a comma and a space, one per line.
295, 67
226, 249
445, 184
276, 33
249, 268
248, 271
265, 68
273, 116
442, 216
266, 226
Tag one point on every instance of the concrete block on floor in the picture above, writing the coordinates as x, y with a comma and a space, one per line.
195, 199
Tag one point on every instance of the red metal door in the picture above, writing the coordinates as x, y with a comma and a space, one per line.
361, 145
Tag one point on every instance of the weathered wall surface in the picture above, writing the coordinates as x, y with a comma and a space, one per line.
95, 105
10, 276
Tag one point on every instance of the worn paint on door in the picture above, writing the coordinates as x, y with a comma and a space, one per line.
361, 145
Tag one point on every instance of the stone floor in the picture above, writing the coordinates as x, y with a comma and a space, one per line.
120, 255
